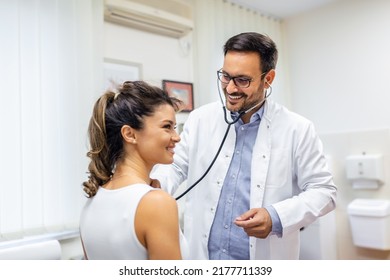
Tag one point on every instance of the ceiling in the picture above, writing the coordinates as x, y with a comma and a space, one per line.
282, 8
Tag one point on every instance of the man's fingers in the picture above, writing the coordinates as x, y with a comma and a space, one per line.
155, 184
247, 215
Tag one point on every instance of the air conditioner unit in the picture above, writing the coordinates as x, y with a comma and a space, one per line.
169, 17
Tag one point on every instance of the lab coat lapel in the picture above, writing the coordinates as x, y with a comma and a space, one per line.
260, 160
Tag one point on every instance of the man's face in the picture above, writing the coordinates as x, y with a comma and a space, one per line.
245, 65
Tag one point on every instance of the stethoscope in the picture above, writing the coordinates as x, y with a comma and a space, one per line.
229, 123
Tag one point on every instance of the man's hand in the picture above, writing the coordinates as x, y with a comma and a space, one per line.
255, 222
155, 184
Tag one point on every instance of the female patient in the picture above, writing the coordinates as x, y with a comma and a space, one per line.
125, 218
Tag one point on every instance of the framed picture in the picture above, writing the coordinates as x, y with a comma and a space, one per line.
182, 91
118, 71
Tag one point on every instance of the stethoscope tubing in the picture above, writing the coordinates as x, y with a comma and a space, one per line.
215, 157
229, 123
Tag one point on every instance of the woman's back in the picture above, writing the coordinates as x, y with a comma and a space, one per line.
107, 224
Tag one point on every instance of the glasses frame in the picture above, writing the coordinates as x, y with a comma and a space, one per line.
220, 71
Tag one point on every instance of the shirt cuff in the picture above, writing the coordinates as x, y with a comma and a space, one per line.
277, 228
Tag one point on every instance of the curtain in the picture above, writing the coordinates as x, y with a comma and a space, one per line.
215, 22
50, 62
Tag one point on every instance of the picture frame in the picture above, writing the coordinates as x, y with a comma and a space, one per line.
181, 90
118, 71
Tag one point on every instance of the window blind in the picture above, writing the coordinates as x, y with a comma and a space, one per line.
49, 65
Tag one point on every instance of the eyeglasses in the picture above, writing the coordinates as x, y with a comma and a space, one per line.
239, 81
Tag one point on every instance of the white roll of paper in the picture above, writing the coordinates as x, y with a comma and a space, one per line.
46, 250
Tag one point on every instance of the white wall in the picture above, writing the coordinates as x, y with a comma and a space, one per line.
340, 63
161, 57
339, 70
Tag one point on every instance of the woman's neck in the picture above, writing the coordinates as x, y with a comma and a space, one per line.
129, 172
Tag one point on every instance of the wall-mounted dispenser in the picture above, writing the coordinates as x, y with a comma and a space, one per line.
366, 171
370, 223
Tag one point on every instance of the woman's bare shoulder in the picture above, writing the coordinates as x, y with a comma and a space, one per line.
158, 199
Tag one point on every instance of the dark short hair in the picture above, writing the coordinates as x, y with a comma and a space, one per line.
254, 42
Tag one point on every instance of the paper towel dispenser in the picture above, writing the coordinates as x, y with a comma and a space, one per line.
366, 171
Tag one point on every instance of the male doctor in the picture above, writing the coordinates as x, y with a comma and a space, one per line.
270, 179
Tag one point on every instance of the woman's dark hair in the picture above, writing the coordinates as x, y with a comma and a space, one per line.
255, 42
132, 102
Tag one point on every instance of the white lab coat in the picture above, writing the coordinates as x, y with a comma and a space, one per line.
289, 171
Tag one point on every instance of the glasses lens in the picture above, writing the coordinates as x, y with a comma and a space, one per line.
223, 77
242, 82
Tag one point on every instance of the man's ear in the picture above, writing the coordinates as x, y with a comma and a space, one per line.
128, 134
269, 78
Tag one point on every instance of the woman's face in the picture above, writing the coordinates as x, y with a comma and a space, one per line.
157, 140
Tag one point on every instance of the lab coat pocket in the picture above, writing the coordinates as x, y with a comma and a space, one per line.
279, 168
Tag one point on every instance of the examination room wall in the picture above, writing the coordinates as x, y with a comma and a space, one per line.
159, 57
339, 66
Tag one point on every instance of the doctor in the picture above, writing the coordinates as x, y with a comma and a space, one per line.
270, 178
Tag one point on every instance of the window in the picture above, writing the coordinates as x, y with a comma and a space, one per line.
48, 71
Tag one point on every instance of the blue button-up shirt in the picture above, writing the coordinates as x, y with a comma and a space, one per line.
228, 241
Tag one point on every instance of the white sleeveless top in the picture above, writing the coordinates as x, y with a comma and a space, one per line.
107, 225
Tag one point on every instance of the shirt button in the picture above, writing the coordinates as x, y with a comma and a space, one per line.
224, 250
226, 226
242, 128
258, 186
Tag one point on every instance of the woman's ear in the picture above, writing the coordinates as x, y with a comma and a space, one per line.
128, 134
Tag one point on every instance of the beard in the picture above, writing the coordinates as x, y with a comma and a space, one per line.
239, 102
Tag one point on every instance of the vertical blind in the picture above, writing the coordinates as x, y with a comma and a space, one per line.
215, 22
49, 58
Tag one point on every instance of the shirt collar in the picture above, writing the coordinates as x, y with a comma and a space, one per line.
256, 116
